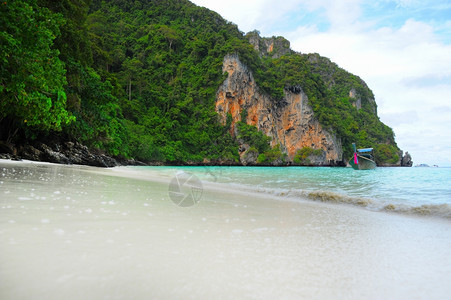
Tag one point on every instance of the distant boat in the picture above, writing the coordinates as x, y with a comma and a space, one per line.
422, 166
363, 159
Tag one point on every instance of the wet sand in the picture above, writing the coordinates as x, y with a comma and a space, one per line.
74, 232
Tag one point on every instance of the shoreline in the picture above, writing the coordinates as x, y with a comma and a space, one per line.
426, 211
214, 187
105, 161
75, 153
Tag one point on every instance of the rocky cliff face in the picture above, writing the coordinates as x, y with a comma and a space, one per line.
290, 122
274, 47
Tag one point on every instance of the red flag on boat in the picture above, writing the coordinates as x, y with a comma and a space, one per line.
356, 161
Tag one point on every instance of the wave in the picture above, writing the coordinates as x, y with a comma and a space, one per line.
434, 210
325, 196
438, 210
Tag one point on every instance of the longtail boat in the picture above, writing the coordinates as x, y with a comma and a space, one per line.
362, 159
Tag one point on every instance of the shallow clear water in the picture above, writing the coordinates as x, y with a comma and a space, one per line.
407, 190
72, 232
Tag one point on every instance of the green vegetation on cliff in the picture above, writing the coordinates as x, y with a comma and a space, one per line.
302, 155
31, 74
138, 79
341, 101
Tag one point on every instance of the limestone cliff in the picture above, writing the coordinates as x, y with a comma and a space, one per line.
290, 122
274, 47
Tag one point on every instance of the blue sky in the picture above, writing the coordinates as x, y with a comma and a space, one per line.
401, 48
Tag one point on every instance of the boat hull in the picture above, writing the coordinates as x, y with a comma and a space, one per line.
364, 163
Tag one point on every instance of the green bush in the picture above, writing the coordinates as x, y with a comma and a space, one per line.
261, 159
272, 156
301, 156
250, 135
386, 154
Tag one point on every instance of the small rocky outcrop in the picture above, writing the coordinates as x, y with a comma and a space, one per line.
357, 103
274, 47
406, 160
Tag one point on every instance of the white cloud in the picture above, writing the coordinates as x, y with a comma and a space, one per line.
248, 14
407, 66
387, 59
407, 3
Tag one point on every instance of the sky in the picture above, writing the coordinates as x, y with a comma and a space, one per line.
400, 48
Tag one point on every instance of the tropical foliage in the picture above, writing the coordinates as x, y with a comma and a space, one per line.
138, 79
302, 155
32, 77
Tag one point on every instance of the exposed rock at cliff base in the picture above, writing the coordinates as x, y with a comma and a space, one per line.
65, 153
290, 122
61, 153
248, 156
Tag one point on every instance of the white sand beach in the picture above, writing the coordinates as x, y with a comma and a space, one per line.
73, 232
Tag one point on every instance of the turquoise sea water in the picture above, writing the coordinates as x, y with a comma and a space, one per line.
408, 190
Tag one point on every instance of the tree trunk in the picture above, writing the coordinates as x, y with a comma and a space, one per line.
130, 89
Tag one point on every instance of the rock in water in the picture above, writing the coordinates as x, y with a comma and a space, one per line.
406, 160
